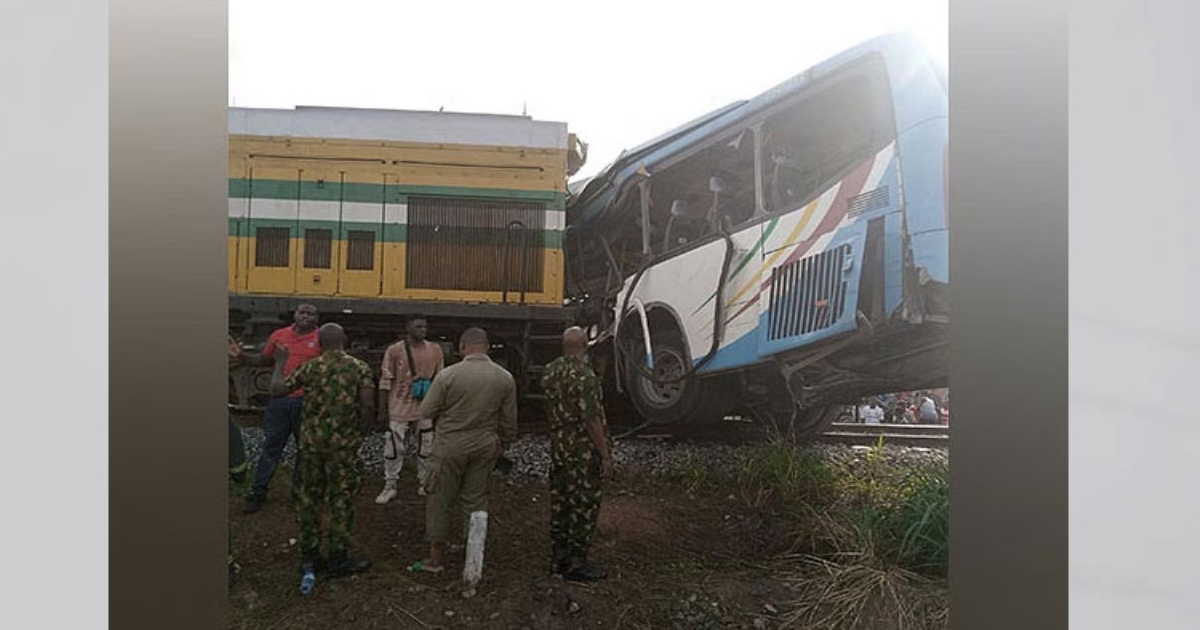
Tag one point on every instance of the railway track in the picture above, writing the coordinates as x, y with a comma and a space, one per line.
744, 432
855, 434
851, 434
848, 433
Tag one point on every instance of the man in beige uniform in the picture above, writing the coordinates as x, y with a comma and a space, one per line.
406, 361
474, 403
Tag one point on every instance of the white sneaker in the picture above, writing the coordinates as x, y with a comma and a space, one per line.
421, 491
389, 493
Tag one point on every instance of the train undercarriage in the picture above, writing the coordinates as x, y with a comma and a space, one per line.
524, 337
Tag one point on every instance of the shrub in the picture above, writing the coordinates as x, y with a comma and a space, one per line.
793, 477
921, 524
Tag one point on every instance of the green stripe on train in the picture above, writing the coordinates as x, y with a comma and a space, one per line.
241, 188
392, 233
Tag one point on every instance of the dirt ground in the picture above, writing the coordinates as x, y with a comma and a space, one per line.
675, 560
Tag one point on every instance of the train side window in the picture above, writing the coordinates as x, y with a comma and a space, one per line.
318, 249
360, 250
272, 247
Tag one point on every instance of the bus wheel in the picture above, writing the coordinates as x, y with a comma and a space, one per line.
812, 422
808, 424
664, 399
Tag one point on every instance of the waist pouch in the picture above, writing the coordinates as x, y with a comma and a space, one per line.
420, 387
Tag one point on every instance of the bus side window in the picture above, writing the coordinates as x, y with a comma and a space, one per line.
710, 191
808, 146
684, 225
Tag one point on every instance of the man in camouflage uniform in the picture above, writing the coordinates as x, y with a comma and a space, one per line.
238, 466
338, 403
579, 456
237, 474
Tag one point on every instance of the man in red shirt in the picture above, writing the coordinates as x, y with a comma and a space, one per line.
283, 412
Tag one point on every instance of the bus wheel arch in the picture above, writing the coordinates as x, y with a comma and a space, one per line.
668, 398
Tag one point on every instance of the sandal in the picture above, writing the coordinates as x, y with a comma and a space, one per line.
420, 566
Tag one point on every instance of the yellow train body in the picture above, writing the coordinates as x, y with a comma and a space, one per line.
424, 206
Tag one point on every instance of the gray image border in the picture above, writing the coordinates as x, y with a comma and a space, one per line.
1008, 357
168, 130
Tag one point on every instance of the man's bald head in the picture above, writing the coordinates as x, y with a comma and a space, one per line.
574, 341
331, 337
473, 341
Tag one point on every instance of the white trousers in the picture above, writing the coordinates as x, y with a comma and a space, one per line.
395, 449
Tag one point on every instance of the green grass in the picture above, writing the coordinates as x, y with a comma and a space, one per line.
920, 526
690, 472
782, 474
870, 537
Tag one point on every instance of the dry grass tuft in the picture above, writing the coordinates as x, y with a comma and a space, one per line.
856, 593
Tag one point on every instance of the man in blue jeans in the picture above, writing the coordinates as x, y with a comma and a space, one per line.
283, 412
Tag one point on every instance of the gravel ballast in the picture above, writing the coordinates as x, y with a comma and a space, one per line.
530, 454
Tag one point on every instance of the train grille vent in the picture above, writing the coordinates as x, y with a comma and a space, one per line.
461, 244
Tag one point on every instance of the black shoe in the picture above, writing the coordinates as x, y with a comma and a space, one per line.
586, 573
316, 562
341, 564
253, 504
559, 562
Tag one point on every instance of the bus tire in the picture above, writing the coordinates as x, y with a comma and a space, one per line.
664, 402
814, 421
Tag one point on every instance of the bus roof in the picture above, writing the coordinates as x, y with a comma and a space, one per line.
593, 196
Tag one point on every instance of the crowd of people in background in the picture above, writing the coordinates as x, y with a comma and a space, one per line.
465, 418
919, 407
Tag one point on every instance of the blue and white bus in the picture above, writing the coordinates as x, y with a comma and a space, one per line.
783, 255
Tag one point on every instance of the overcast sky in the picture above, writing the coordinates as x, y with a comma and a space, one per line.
617, 72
